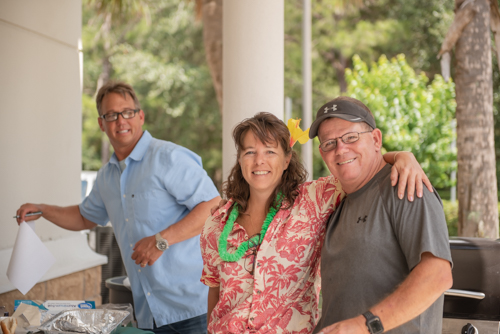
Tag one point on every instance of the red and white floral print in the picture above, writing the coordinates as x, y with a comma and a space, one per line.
282, 296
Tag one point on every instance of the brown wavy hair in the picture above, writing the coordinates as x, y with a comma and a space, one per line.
269, 129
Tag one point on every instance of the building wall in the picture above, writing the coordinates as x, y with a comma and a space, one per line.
40, 123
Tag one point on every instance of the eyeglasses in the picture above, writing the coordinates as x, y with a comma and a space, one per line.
253, 246
126, 114
348, 138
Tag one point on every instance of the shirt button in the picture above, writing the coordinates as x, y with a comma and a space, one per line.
258, 292
149, 294
258, 264
124, 196
251, 319
132, 195
139, 270
131, 246
126, 219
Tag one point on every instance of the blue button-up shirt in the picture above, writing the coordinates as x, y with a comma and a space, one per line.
162, 183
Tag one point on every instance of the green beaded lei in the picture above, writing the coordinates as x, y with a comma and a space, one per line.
241, 250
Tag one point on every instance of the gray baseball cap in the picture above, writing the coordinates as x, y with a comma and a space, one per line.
341, 109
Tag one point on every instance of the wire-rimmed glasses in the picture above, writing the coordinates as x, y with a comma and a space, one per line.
348, 138
126, 114
253, 247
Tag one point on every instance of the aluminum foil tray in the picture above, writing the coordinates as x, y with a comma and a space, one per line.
89, 321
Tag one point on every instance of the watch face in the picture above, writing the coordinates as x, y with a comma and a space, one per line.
376, 326
161, 245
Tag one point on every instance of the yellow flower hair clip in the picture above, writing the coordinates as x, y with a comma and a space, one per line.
296, 132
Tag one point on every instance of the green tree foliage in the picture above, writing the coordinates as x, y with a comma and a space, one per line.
371, 29
91, 135
451, 214
424, 22
412, 114
338, 32
157, 46
165, 63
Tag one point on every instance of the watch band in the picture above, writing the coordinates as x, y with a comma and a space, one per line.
373, 323
161, 243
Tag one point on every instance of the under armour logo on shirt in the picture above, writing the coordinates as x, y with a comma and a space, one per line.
334, 108
361, 219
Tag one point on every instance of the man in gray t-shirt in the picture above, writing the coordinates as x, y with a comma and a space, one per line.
385, 262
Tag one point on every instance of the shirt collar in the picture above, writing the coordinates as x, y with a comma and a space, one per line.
139, 150
223, 212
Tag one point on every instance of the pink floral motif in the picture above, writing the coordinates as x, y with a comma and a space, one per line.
282, 296
231, 270
285, 276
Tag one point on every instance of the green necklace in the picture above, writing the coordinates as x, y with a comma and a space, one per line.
241, 250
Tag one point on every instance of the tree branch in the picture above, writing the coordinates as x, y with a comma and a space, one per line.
462, 17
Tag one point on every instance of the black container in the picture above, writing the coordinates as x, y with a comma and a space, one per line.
119, 293
106, 244
476, 271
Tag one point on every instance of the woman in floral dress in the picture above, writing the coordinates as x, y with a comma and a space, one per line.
261, 250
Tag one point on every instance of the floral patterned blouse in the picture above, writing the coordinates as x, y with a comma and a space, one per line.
282, 294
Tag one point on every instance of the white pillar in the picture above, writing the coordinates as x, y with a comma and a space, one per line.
307, 148
253, 65
40, 113
40, 124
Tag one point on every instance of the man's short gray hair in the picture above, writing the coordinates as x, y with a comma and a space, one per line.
115, 87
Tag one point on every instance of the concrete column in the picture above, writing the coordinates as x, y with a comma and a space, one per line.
40, 113
253, 65
307, 117
41, 125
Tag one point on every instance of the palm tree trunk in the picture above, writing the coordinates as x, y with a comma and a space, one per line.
103, 79
212, 37
477, 185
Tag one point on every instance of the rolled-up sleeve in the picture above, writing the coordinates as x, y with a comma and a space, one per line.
185, 179
210, 253
93, 208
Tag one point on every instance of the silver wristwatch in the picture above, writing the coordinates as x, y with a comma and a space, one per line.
161, 244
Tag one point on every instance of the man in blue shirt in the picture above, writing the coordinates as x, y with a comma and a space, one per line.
157, 196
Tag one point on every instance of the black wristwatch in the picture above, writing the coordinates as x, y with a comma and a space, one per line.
373, 323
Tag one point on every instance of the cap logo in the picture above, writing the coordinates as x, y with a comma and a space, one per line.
334, 108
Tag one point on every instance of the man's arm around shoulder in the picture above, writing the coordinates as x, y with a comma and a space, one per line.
191, 225
145, 251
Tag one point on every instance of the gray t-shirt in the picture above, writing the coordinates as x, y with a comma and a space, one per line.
373, 241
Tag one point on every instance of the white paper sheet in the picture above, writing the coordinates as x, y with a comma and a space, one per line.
30, 259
